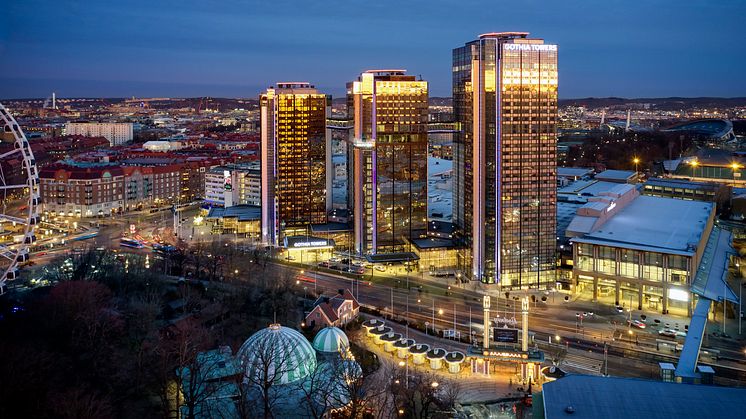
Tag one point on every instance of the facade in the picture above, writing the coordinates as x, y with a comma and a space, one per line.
336, 311
233, 184
82, 191
387, 183
296, 152
117, 133
688, 190
150, 185
505, 102
639, 251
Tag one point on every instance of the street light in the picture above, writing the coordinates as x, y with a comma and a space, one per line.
434, 384
636, 161
694, 164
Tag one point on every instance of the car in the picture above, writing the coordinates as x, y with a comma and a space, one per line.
620, 309
325, 264
667, 333
636, 323
380, 268
334, 260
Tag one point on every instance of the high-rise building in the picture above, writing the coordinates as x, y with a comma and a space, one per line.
296, 185
505, 102
388, 151
116, 132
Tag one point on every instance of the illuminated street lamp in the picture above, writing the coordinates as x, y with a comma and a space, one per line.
636, 161
434, 384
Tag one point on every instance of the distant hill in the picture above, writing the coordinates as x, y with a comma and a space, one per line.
668, 103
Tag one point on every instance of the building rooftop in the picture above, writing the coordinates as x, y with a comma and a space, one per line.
616, 175
587, 187
652, 223
242, 212
573, 171
591, 397
433, 243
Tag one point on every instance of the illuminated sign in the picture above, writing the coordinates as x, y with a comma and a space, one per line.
611, 206
505, 354
227, 180
505, 335
530, 47
678, 294
316, 243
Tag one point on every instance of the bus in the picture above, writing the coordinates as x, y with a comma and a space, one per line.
85, 236
126, 242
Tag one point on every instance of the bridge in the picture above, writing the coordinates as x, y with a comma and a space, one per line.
710, 284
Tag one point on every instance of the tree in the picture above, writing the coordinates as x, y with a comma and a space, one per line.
269, 362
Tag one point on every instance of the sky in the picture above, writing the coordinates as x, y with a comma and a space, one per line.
232, 48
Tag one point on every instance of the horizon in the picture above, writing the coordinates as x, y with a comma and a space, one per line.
145, 49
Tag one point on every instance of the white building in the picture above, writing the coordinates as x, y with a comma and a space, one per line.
233, 185
116, 132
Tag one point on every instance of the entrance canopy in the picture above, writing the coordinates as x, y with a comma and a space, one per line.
307, 243
392, 257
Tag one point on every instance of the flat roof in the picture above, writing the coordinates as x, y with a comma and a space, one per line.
657, 224
681, 183
330, 227
588, 187
433, 243
592, 397
242, 212
618, 175
573, 171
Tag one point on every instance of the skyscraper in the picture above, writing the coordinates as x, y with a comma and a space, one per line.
388, 181
505, 101
296, 185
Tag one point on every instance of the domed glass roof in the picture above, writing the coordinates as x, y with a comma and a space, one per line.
331, 340
283, 354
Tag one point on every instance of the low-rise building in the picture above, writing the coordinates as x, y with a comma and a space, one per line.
639, 251
337, 310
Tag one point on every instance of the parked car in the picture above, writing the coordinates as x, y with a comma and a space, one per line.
380, 268
620, 309
325, 264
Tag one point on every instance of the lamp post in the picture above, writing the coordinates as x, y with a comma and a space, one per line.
694, 164
636, 161
735, 167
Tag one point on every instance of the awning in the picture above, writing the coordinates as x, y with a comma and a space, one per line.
392, 257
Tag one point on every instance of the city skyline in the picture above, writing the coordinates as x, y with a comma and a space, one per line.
201, 51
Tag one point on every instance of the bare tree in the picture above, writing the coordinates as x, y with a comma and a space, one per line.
267, 363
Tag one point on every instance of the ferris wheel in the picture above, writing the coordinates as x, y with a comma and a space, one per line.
19, 198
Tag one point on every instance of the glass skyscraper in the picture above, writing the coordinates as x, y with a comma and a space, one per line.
505, 103
388, 154
296, 155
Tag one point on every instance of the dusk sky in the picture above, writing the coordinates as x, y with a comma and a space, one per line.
105, 48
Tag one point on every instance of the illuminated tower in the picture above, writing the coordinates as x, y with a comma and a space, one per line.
296, 185
505, 100
388, 180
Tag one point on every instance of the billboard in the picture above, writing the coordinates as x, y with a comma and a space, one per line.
503, 335
227, 180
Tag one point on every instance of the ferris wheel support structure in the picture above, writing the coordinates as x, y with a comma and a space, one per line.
22, 189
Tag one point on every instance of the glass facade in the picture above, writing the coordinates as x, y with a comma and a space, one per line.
389, 155
505, 102
294, 159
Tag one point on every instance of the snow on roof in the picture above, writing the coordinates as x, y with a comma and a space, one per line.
652, 223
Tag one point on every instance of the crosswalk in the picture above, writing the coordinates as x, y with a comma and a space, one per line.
581, 364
